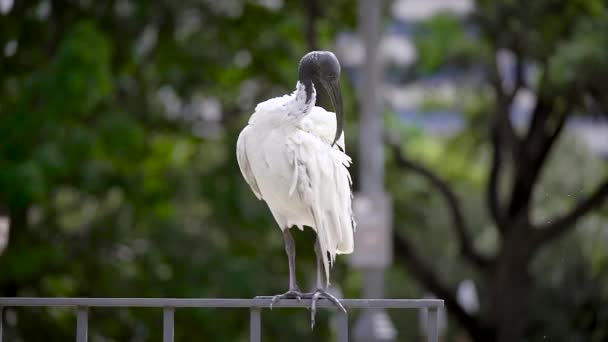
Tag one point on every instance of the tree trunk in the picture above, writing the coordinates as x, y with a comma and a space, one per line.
511, 284
312, 14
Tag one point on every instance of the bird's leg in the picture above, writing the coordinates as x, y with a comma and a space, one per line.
319, 254
294, 290
321, 290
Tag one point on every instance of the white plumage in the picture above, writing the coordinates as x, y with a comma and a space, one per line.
286, 156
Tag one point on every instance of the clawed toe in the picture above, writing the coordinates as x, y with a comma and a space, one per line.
322, 294
313, 296
291, 294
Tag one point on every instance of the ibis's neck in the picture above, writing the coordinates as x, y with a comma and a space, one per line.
306, 72
309, 88
304, 99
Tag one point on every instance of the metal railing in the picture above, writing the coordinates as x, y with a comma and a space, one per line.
255, 307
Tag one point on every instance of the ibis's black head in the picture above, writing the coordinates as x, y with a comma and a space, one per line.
322, 68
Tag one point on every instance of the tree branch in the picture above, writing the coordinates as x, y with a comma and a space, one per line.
407, 255
550, 138
459, 225
519, 76
539, 141
597, 98
503, 136
312, 13
506, 131
502, 121
562, 224
492, 189
541, 113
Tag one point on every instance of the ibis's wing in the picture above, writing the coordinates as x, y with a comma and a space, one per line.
322, 124
241, 156
322, 182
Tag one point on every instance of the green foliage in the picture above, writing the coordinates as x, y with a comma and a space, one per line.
110, 195
580, 60
443, 42
113, 191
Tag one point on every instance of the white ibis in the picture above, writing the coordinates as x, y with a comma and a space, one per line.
291, 155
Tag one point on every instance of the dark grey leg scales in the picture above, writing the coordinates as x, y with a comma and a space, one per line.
294, 290
321, 291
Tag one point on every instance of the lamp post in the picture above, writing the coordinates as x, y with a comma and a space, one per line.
372, 205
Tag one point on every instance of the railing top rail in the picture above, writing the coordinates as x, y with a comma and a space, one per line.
217, 302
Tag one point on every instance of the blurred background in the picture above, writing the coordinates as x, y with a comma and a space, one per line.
118, 175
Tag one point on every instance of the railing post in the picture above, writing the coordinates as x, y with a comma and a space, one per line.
1, 323
82, 323
255, 325
342, 327
432, 332
168, 324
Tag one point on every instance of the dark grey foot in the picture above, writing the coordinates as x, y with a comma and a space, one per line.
321, 294
291, 294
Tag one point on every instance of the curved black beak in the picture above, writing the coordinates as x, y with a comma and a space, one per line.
335, 94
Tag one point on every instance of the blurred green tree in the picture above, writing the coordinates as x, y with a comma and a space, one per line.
118, 121
560, 42
118, 126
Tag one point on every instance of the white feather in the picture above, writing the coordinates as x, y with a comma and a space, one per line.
286, 158
241, 156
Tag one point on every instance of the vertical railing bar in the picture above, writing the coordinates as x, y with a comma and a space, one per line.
255, 325
168, 324
342, 326
82, 323
1, 323
432, 332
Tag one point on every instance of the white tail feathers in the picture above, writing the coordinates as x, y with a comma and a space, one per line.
323, 183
